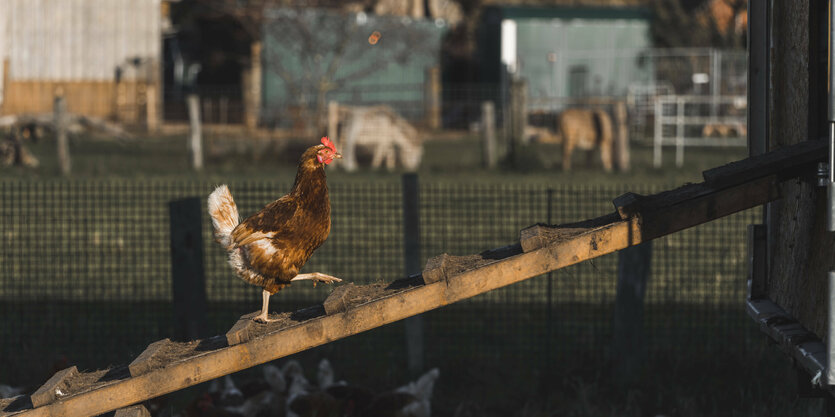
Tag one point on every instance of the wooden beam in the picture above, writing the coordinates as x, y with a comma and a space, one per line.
784, 161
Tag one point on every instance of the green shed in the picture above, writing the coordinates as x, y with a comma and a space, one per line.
312, 56
566, 52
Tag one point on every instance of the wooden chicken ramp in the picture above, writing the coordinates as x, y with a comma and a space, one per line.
168, 366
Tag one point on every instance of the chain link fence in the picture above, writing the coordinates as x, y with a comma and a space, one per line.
85, 272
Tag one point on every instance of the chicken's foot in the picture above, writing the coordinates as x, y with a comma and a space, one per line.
316, 277
265, 303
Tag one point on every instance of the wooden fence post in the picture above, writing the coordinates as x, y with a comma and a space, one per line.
251, 83
628, 345
195, 142
61, 122
411, 246
333, 120
622, 160
432, 98
518, 116
488, 131
187, 276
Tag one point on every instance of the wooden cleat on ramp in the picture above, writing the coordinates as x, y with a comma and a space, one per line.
243, 329
144, 362
338, 300
54, 388
436, 269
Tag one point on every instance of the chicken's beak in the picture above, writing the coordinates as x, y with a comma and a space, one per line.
337, 156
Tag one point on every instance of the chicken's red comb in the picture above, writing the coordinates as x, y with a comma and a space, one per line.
327, 142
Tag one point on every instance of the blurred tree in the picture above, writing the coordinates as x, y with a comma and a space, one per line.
315, 52
699, 23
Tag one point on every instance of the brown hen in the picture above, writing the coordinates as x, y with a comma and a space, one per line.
270, 247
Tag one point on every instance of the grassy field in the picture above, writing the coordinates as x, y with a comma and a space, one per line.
444, 160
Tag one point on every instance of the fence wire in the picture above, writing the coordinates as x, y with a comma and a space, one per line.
85, 271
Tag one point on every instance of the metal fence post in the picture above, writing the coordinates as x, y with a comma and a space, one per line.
628, 343
411, 247
187, 275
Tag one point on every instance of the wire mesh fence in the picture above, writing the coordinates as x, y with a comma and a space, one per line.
85, 271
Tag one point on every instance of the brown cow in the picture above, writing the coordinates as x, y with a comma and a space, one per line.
585, 129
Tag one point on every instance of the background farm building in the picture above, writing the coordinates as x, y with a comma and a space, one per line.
104, 56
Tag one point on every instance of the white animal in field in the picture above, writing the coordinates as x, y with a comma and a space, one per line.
380, 128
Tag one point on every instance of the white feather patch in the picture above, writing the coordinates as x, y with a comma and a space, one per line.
224, 214
266, 246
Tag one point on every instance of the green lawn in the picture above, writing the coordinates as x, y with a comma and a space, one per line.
444, 160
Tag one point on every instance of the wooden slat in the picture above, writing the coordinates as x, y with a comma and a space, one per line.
143, 362
52, 389
337, 301
242, 330
434, 270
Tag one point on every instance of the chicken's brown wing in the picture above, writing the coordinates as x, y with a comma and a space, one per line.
268, 222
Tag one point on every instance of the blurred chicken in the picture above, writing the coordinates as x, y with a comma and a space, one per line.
325, 376
7, 391
275, 378
269, 248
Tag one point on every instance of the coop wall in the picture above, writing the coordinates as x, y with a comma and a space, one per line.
801, 251
77, 47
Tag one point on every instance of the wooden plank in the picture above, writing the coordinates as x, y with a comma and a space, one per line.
53, 388
337, 301
144, 361
324, 329
663, 220
784, 162
133, 411
242, 330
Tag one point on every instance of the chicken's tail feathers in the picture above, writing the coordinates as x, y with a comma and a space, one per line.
224, 214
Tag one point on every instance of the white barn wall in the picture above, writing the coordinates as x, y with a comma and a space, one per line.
75, 47
78, 39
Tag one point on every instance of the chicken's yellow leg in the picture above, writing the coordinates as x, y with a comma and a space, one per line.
265, 304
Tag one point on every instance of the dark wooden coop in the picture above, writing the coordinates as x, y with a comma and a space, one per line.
792, 256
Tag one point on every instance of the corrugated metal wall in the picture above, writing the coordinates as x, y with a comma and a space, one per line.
582, 57
74, 47
75, 40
